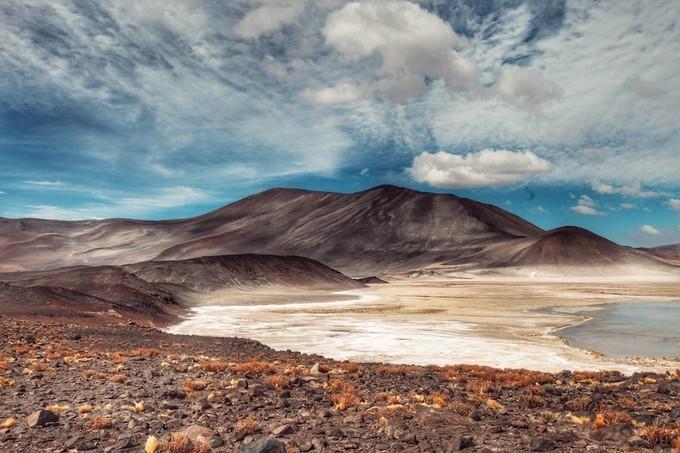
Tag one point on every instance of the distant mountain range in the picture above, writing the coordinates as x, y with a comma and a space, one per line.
379, 231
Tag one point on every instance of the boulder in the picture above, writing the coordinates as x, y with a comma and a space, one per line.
41, 418
264, 445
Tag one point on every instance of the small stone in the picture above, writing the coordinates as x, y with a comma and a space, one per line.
541, 444
242, 384
264, 445
283, 430
461, 443
201, 434
314, 370
637, 441
41, 418
306, 447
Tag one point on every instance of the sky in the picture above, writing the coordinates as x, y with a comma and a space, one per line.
563, 112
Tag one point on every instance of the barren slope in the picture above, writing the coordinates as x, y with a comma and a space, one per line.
567, 250
385, 228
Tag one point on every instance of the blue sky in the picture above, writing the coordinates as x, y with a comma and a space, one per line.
564, 112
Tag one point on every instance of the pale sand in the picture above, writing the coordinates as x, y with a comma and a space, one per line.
496, 321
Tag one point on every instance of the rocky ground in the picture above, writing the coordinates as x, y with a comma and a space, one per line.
67, 387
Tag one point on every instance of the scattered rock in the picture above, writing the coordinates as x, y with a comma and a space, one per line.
541, 444
264, 445
201, 434
41, 418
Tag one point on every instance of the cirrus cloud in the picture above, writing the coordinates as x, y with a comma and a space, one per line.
485, 168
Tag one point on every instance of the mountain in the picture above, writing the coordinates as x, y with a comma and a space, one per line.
670, 253
384, 229
565, 250
156, 290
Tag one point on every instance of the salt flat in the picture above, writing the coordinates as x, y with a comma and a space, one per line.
495, 321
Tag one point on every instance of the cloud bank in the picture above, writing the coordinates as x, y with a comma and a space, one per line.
486, 168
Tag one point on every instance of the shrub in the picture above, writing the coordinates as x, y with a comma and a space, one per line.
214, 366
8, 423
118, 378
607, 417
658, 435
248, 425
98, 423
191, 386
277, 381
255, 367
462, 408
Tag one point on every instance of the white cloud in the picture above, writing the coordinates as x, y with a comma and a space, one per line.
674, 204
339, 94
45, 183
648, 229
586, 206
526, 88
627, 206
122, 206
486, 168
269, 17
3, 193
632, 190
412, 43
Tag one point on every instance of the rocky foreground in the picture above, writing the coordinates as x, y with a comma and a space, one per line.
129, 388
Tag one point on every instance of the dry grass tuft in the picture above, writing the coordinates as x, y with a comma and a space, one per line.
494, 405
438, 400
479, 388
609, 417
190, 385
350, 367
248, 425
143, 352
214, 365
8, 423
85, 409
57, 408
462, 408
94, 374
180, 443
118, 378
98, 423
254, 367
152, 445
343, 394
660, 435
396, 369
277, 381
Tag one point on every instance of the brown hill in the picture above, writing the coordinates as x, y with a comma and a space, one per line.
669, 253
383, 229
568, 249
156, 290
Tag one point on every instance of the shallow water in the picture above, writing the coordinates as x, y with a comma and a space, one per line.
650, 329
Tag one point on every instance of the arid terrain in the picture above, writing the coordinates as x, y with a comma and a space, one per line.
112, 388
94, 317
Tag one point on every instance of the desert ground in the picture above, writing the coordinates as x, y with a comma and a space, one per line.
499, 321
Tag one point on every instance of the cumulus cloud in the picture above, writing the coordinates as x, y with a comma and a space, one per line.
268, 17
486, 168
674, 204
632, 190
412, 44
648, 229
586, 206
526, 88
